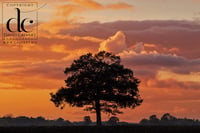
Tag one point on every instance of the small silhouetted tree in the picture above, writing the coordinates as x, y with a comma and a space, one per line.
8, 116
40, 118
167, 117
144, 121
100, 83
60, 120
87, 120
113, 120
153, 119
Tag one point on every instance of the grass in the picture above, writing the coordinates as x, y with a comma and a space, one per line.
103, 129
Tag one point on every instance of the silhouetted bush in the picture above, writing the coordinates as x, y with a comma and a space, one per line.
168, 119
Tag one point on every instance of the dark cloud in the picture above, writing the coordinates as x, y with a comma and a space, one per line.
161, 60
183, 35
158, 60
154, 62
48, 70
174, 84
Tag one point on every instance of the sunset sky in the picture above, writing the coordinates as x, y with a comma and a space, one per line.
158, 39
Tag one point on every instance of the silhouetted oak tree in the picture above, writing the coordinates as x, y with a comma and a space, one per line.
99, 83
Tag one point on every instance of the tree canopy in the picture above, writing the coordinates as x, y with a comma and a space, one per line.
100, 84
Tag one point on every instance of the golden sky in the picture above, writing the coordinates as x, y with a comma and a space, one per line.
158, 40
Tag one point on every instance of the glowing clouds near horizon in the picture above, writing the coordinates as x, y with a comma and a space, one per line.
139, 47
115, 43
155, 68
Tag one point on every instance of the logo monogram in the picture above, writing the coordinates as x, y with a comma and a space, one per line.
20, 23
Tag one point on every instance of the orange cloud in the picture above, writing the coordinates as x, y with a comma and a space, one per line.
55, 26
89, 4
68, 9
174, 50
119, 5
63, 19
150, 45
192, 77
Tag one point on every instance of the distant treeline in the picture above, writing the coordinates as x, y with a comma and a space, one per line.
9, 120
166, 119
29, 121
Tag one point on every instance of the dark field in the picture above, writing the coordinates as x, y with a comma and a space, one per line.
103, 129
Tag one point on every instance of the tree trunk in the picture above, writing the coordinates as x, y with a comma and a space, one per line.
98, 112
